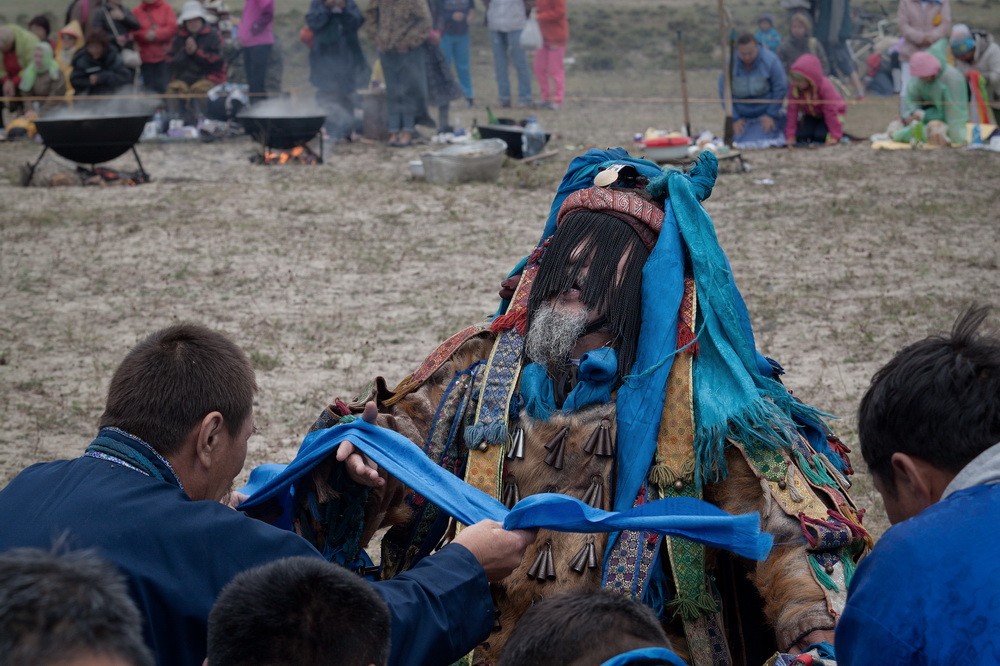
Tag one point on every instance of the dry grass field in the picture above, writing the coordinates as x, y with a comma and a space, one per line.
330, 275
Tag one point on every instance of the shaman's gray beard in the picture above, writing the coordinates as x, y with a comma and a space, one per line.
553, 334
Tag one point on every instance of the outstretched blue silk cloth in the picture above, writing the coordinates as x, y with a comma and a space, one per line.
681, 517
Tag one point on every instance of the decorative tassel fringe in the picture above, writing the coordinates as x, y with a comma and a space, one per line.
557, 449
661, 476
841, 450
693, 608
599, 443
849, 568
765, 486
515, 318
793, 492
821, 575
855, 518
833, 471
595, 493
516, 448
544, 567
585, 558
817, 477
511, 495
474, 435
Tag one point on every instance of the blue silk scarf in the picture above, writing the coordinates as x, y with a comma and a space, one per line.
683, 517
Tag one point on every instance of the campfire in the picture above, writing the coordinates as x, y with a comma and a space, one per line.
97, 176
298, 155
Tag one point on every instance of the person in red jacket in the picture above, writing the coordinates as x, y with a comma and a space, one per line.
157, 27
814, 105
551, 15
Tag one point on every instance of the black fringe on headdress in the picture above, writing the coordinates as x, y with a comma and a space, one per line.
605, 240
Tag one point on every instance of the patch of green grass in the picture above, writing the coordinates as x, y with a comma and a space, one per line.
263, 361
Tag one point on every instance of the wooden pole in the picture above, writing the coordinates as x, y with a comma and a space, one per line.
684, 84
727, 68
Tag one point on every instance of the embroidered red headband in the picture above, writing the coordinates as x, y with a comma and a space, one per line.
631, 208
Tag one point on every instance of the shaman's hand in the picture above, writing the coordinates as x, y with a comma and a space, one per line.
359, 467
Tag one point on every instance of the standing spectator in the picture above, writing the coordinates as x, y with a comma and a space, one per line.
43, 79
337, 66
442, 87
195, 63
833, 28
117, 20
67, 610
759, 79
41, 28
920, 23
157, 27
257, 39
505, 20
451, 20
767, 34
548, 63
17, 48
400, 29
800, 42
97, 68
977, 56
814, 105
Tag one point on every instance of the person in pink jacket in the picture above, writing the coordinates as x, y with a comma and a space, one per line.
921, 23
157, 27
257, 39
548, 64
814, 105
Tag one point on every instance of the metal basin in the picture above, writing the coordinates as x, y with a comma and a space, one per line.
281, 132
92, 139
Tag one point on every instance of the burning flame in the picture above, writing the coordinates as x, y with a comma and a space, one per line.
299, 155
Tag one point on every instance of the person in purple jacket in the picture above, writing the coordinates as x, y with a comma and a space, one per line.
256, 36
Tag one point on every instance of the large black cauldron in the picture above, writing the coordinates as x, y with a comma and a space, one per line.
281, 132
92, 139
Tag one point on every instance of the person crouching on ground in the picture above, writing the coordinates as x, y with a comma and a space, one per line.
814, 105
929, 428
759, 89
195, 63
936, 91
97, 68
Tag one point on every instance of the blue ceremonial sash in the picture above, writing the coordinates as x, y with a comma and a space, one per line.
682, 517
654, 655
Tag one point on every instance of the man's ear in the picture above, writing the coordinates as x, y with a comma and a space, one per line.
918, 483
208, 438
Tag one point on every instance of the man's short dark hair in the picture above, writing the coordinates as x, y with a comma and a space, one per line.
594, 624
42, 21
937, 400
745, 38
168, 382
54, 607
300, 611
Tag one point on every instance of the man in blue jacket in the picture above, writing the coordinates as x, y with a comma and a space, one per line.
147, 495
759, 90
929, 428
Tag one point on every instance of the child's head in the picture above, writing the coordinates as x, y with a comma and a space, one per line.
801, 25
765, 22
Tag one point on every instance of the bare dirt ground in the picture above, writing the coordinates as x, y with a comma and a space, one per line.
330, 275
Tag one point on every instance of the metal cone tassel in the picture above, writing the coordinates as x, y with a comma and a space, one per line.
516, 448
557, 449
511, 494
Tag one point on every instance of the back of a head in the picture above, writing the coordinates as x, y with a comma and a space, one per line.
168, 382
56, 609
937, 400
299, 611
581, 628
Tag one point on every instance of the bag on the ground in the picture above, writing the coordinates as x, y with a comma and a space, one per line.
531, 35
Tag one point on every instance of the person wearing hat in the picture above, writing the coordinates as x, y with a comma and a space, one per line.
977, 56
196, 64
619, 369
936, 91
148, 494
766, 34
157, 27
